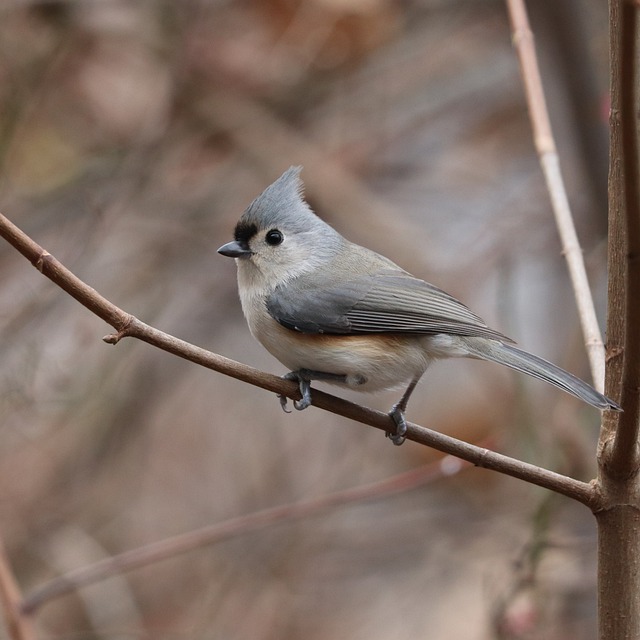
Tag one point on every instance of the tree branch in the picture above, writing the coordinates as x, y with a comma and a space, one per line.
619, 442
546, 149
127, 325
618, 455
18, 625
212, 534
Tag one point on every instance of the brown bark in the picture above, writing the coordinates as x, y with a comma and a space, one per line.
618, 459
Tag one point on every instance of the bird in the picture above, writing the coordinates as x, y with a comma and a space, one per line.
334, 311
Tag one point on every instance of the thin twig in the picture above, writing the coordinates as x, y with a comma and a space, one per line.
127, 325
546, 148
212, 534
19, 625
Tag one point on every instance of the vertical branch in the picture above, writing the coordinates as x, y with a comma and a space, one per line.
618, 458
546, 149
619, 443
18, 624
618, 516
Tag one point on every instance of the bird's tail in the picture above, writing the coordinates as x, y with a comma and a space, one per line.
538, 368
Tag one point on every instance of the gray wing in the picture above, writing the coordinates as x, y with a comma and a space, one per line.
389, 302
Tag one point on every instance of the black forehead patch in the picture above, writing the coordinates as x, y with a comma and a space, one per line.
245, 231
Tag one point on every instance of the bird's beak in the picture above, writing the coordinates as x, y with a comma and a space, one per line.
235, 249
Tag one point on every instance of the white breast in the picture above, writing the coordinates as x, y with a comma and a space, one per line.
370, 363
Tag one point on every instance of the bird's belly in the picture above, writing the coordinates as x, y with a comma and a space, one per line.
369, 362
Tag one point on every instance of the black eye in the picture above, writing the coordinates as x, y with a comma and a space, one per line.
274, 237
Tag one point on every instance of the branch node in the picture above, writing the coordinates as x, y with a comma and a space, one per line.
545, 144
482, 454
613, 352
39, 263
114, 338
521, 34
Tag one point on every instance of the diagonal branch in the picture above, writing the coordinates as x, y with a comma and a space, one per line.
127, 325
212, 534
546, 148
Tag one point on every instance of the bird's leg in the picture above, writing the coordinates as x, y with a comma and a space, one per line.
397, 415
304, 378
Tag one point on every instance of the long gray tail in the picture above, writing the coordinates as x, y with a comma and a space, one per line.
538, 368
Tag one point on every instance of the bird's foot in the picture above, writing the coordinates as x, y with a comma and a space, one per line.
397, 415
304, 384
304, 378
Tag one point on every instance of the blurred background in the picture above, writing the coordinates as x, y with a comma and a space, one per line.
132, 136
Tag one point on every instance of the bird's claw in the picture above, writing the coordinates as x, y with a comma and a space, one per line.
399, 435
283, 402
305, 392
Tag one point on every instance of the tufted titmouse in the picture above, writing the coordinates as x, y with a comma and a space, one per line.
331, 310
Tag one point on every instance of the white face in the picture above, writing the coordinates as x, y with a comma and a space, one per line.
278, 256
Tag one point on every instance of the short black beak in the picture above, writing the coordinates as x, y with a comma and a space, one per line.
235, 249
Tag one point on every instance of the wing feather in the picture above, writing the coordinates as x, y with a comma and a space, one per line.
389, 302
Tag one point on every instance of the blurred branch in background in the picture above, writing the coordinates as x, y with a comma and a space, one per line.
546, 148
242, 525
18, 625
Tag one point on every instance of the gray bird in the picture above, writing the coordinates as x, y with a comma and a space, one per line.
332, 310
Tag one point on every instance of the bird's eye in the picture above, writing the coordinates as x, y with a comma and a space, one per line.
274, 237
